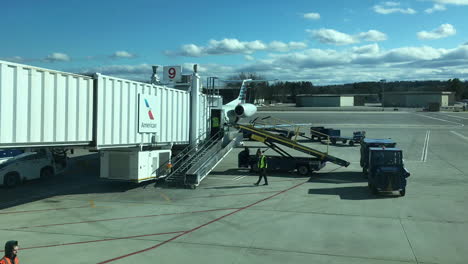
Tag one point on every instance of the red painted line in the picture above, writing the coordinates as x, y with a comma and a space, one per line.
99, 240
123, 218
200, 226
43, 210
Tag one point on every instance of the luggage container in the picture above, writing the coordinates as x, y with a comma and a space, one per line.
41, 107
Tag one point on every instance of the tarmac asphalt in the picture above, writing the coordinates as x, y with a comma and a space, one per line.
327, 217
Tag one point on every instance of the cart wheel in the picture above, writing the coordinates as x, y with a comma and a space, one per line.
302, 170
11, 180
403, 192
46, 173
333, 141
351, 143
344, 141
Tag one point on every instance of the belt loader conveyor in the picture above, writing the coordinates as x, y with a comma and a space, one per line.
270, 139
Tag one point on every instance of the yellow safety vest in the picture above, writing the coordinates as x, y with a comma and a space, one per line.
262, 163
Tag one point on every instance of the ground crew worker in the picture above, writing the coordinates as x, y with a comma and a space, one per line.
262, 167
11, 252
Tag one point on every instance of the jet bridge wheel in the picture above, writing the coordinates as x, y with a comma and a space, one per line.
191, 186
403, 192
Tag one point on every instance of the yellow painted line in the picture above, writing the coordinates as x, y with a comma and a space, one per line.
288, 143
165, 197
138, 180
92, 204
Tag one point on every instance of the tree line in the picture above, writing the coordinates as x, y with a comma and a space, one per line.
284, 91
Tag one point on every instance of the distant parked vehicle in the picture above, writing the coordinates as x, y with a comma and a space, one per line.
28, 166
334, 135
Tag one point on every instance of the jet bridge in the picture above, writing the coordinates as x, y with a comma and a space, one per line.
271, 140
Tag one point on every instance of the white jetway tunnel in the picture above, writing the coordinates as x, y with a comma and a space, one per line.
41, 107
46, 108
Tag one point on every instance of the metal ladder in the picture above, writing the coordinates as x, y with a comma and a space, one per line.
189, 156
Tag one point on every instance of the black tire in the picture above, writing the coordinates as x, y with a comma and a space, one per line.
403, 192
351, 143
11, 180
303, 170
47, 172
344, 141
333, 141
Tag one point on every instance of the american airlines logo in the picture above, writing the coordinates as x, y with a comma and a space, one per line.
147, 111
150, 114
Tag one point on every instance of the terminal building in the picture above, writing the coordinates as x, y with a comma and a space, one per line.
418, 99
324, 100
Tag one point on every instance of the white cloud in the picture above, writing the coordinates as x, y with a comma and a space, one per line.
331, 36
57, 57
392, 7
249, 58
372, 35
390, 3
334, 37
312, 16
443, 31
234, 46
367, 49
452, 2
14, 59
122, 54
436, 7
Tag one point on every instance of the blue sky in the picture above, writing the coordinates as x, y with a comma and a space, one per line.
326, 42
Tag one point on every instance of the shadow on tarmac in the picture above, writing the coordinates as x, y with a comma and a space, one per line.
80, 177
351, 193
338, 177
232, 187
246, 172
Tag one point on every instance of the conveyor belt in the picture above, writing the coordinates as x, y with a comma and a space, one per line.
267, 137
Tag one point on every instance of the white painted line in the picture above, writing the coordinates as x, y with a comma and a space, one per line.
460, 124
425, 146
460, 135
240, 178
459, 117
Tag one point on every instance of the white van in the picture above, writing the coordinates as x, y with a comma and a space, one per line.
27, 166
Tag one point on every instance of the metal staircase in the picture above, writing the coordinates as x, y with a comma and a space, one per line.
195, 162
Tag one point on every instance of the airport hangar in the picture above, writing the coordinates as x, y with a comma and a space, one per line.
393, 99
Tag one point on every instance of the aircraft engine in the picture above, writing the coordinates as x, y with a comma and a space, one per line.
245, 110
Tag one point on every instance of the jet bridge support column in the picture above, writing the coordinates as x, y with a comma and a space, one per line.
195, 107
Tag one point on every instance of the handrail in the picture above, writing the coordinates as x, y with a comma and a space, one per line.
181, 157
181, 154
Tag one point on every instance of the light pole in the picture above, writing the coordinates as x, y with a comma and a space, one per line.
382, 86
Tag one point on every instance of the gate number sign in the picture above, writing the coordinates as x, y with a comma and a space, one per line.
172, 73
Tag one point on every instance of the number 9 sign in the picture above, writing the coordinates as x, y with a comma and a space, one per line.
172, 73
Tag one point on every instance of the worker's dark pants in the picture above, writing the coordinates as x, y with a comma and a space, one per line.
262, 173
